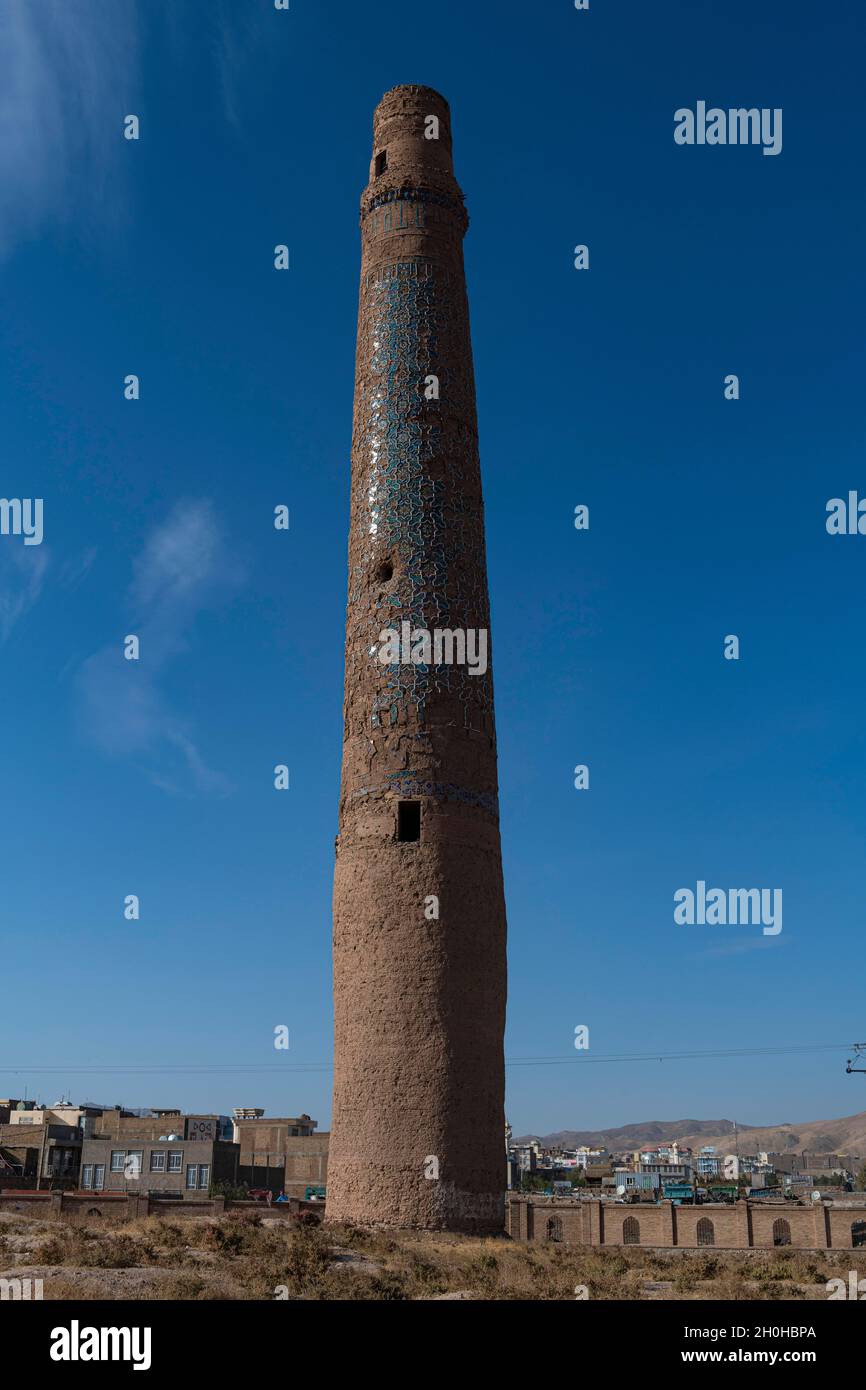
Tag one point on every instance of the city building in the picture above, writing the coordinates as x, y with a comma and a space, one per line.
280, 1154
171, 1168
45, 1154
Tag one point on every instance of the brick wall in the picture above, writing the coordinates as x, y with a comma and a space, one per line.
741, 1226
115, 1208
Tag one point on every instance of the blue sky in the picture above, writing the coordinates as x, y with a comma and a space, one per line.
603, 387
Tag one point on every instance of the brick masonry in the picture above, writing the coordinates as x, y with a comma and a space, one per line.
419, 1002
116, 1208
741, 1226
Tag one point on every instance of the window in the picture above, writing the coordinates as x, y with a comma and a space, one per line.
134, 1163
706, 1232
631, 1231
87, 1175
157, 1161
381, 163
408, 821
781, 1233
175, 1161
99, 1176
858, 1234
192, 1175
554, 1228
204, 1174
118, 1159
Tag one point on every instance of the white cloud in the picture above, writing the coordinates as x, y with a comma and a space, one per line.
184, 568
22, 575
68, 72
77, 568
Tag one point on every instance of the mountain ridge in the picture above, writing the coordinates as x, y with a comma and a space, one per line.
845, 1135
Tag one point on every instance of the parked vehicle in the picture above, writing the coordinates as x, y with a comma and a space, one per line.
678, 1193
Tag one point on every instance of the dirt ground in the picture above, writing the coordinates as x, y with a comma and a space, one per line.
248, 1256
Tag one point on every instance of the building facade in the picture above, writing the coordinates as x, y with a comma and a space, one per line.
178, 1168
280, 1154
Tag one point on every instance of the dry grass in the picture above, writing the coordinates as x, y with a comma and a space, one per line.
242, 1256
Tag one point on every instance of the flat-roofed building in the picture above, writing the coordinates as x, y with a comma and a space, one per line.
282, 1154
177, 1168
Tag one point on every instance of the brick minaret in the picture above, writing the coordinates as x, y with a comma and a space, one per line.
418, 1133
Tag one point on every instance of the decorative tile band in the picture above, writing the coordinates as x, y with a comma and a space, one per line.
419, 457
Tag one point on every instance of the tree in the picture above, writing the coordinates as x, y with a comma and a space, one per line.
531, 1182
860, 1183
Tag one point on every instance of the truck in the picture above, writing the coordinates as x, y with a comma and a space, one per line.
678, 1193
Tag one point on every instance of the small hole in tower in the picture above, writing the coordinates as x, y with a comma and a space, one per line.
385, 572
408, 821
381, 163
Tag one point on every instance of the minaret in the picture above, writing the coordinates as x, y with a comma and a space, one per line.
419, 911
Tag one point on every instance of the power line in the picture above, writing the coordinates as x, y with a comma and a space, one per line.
247, 1069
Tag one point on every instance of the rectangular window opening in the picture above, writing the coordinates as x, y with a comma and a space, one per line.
381, 163
408, 821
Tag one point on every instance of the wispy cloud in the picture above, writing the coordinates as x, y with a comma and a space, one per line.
184, 568
22, 576
744, 945
68, 70
238, 38
77, 568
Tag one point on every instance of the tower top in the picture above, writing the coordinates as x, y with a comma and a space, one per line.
412, 137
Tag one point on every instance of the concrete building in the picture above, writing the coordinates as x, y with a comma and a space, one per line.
156, 1123
280, 1154
42, 1155
178, 1168
419, 911
669, 1172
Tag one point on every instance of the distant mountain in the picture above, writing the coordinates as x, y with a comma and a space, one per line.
847, 1135
635, 1136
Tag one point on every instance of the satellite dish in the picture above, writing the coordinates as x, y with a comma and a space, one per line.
816, 1196
620, 1191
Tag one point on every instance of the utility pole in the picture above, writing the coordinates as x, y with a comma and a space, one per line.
859, 1056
